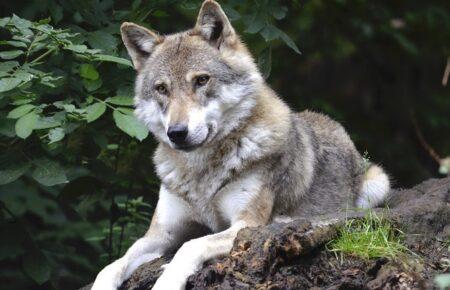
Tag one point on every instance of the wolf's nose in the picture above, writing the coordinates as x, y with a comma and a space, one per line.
177, 133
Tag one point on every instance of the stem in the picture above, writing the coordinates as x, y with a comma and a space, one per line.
108, 105
43, 55
44, 136
110, 235
435, 156
446, 73
122, 227
111, 219
8, 210
29, 49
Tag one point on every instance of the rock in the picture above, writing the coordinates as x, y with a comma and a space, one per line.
294, 256
146, 275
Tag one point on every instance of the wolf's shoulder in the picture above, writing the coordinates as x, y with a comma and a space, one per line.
325, 128
318, 120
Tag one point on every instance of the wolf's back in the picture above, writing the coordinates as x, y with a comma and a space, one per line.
338, 170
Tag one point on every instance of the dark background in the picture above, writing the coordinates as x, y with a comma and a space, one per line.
375, 66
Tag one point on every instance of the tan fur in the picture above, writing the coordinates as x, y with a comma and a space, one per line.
245, 157
137, 58
178, 110
260, 211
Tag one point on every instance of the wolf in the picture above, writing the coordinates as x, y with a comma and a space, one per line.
231, 153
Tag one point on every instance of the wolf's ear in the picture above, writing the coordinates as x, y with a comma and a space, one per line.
139, 41
213, 25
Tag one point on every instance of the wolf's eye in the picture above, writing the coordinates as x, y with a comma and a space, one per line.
201, 80
162, 89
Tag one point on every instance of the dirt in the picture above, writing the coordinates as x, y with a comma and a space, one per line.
294, 255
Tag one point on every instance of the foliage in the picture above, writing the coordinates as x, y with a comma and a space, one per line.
76, 178
56, 94
74, 159
368, 238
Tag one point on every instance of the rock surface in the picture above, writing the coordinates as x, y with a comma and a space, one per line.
294, 256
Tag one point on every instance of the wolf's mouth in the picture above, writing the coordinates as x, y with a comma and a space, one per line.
191, 147
187, 148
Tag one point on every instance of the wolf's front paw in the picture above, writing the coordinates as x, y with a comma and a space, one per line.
174, 277
109, 278
166, 282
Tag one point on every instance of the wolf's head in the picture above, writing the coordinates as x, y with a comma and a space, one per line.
194, 87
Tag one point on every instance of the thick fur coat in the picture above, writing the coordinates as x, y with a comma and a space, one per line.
231, 153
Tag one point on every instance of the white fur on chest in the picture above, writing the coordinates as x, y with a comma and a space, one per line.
237, 196
217, 193
219, 211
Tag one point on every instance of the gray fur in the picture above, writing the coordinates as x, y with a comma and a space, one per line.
249, 159
338, 169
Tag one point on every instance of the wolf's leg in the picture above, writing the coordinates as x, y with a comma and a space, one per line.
374, 188
190, 257
193, 254
171, 226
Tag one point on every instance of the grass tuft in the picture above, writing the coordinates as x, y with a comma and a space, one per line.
368, 238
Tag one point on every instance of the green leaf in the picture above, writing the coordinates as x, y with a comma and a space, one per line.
20, 22
23, 75
10, 54
69, 108
130, 125
110, 58
120, 100
255, 22
89, 99
4, 21
102, 40
94, 111
289, 42
13, 43
13, 171
270, 32
46, 123
7, 127
89, 72
22, 100
8, 65
8, 84
55, 135
265, 62
22, 38
232, 14
79, 48
20, 111
91, 85
126, 111
279, 12
36, 266
50, 81
124, 90
48, 172
26, 124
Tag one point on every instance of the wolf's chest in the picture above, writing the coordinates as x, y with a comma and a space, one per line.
199, 187
202, 194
